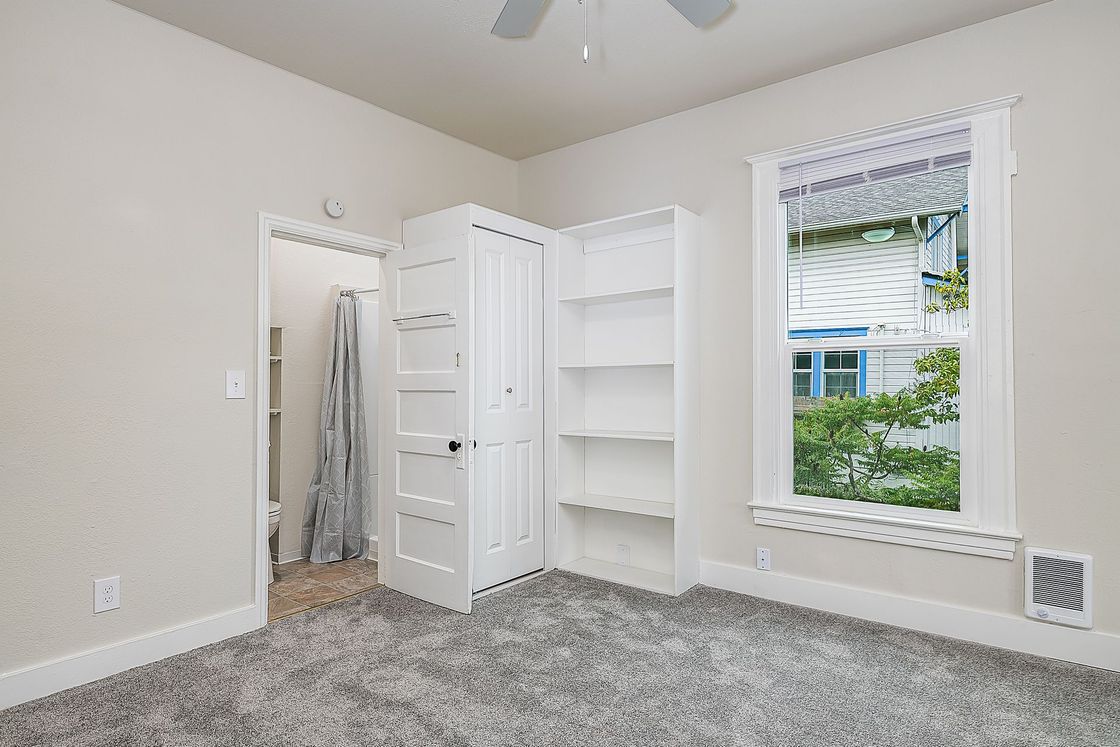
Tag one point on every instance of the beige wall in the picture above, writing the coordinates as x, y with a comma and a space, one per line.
133, 160
302, 302
1064, 59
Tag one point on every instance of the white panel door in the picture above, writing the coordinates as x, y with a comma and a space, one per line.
509, 425
425, 314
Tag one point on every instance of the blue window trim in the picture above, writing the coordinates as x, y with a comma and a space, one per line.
818, 356
801, 334
818, 368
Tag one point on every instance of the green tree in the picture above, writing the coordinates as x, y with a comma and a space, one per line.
842, 445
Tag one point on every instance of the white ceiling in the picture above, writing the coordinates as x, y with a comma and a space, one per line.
435, 61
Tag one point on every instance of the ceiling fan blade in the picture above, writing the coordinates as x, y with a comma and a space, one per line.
700, 12
517, 18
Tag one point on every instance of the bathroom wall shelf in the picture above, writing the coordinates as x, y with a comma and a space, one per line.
275, 430
627, 400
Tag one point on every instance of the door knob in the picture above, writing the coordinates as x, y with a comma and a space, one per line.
509, 390
454, 446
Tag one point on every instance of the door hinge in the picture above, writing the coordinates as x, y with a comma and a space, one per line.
456, 360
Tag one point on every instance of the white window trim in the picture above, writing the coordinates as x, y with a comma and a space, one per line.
986, 524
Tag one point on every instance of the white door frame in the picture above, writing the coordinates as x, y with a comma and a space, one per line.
270, 227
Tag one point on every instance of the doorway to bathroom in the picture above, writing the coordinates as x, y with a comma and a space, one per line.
317, 382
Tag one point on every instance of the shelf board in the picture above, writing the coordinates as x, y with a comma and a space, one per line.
629, 575
626, 435
617, 503
645, 364
638, 294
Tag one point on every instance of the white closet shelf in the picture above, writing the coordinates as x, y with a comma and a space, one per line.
633, 364
630, 575
638, 294
626, 435
662, 509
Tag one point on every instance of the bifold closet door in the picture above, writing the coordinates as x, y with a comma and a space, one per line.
509, 421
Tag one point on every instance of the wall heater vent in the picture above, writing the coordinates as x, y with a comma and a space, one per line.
1059, 587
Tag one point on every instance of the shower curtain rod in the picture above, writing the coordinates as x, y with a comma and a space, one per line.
357, 291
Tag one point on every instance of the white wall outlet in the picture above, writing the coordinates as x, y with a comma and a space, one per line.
106, 594
762, 558
235, 385
622, 554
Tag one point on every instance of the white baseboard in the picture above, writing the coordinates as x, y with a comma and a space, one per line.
288, 557
1088, 647
39, 680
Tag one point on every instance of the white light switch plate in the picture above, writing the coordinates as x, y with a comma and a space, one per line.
235, 385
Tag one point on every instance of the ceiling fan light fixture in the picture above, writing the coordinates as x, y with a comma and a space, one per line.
700, 13
517, 18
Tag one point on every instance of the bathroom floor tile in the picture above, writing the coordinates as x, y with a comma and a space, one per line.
316, 596
359, 565
355, 583
298, 566
282, 607
328, 573
292, 584
301, 585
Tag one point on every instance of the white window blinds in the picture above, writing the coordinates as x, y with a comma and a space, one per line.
867, 165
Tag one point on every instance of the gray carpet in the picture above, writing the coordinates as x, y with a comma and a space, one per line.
565, 660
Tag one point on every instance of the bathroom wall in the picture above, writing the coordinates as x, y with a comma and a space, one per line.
302, 298
135, 157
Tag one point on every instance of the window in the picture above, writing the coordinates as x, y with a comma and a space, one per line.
895, 424
802, 374
841, 373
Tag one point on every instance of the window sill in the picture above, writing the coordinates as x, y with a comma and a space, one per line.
932, 535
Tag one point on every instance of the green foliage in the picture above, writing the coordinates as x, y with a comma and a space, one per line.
953, 290
842, 447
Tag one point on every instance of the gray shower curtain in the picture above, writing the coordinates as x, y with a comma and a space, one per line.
337, 519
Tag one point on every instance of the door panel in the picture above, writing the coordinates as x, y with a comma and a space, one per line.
509, 460
425, 401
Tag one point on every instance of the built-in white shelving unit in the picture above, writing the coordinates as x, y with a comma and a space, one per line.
628, 400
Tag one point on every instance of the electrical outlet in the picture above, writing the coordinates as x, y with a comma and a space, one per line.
622, 554
106, 594
762, 558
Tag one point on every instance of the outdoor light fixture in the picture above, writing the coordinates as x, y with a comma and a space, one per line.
875, 235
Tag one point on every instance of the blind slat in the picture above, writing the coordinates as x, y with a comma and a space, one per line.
868, 165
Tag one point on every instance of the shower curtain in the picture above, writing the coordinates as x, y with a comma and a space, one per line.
338, 517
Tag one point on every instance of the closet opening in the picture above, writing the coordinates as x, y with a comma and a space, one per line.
318, 396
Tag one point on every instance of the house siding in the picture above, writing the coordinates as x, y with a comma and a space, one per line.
854, 284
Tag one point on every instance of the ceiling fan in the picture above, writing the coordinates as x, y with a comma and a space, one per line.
519, 16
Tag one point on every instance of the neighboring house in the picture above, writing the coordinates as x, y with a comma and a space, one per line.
865, 261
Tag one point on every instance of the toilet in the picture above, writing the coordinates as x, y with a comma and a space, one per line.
273, 525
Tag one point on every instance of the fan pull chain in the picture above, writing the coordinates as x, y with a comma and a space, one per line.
586, 46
